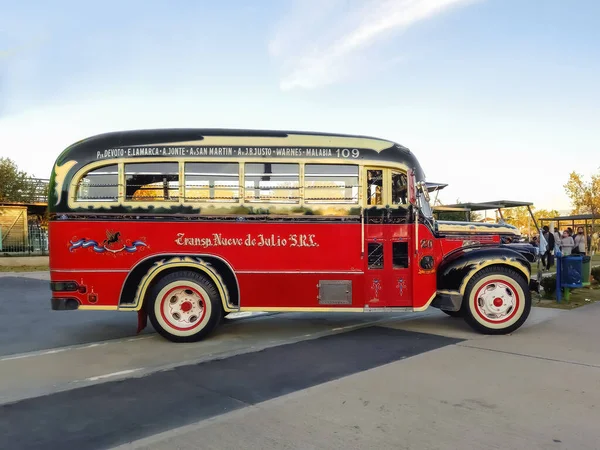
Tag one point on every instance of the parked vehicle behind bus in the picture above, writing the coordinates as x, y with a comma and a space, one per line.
186, 226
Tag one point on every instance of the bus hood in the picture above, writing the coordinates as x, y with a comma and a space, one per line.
455, 227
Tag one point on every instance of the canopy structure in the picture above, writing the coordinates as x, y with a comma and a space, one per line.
578, 220
449, 208
499, 204
432, 187
469, 207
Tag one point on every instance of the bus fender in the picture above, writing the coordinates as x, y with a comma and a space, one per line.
170, 262
457, 269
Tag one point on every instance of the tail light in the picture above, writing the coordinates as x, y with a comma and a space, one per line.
63, 286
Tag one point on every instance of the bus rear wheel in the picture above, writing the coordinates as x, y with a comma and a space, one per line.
497, 300
184, 306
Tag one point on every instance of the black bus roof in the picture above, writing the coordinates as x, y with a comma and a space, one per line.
228, 144
371, 148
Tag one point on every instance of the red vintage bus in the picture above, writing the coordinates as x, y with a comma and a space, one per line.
188, 225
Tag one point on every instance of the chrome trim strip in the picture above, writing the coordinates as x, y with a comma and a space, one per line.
300, 272
89, 270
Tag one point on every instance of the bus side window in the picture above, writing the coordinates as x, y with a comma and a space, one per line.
330, 183
375, 251
272, 182
400, 255
99, 185
211, 182
374, 187
399, 188
152, 181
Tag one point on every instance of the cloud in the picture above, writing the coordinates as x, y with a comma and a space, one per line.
323, 41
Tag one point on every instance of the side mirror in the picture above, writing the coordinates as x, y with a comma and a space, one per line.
424, 190
412, 187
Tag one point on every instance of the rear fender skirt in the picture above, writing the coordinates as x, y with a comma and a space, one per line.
456, 271
179, 262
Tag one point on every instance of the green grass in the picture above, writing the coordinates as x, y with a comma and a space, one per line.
24, 268
579, 297
595, 262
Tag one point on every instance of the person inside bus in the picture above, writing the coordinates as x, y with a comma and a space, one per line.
399, 189
374, 183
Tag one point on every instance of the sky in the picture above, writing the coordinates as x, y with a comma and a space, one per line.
498, 98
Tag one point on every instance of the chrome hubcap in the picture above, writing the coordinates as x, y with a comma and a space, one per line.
183, 307
496, 301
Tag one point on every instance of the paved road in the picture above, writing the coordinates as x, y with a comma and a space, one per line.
44, 351
84, 380
27, 323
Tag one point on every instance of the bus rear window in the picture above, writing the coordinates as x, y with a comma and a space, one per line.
212, 181
330, 183
268, 182
152, 182
99, 185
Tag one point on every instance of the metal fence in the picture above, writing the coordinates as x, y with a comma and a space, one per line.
39, 189
23, 230
35, 243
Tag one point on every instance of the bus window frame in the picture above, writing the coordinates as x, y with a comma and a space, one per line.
384, 186
120, 162
72, 201
291, 200
343, 202
75, 194
132, 201
233, 201
391, 188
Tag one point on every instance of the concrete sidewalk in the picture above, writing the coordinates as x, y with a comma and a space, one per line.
41, 275
16, 261
536, 389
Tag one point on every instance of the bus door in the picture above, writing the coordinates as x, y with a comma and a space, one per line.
388, 278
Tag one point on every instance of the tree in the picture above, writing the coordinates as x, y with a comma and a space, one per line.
15, 184
520, 217
458, 216
544, 214
584, 195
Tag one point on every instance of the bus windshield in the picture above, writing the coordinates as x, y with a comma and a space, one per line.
425, 206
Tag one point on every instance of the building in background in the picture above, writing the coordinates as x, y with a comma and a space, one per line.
23, 225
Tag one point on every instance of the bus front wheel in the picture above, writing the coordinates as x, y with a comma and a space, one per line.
184, 306
497, 300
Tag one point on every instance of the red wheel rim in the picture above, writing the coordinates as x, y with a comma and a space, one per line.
179, 306
496, 301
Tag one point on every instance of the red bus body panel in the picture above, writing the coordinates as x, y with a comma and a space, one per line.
277, 265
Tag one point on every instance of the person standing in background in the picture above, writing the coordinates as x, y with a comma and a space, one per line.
543, 246
556, 239
580, 242
566, 244
548, 258
594, 243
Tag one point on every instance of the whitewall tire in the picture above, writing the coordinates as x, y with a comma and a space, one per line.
184, 306
497, 300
